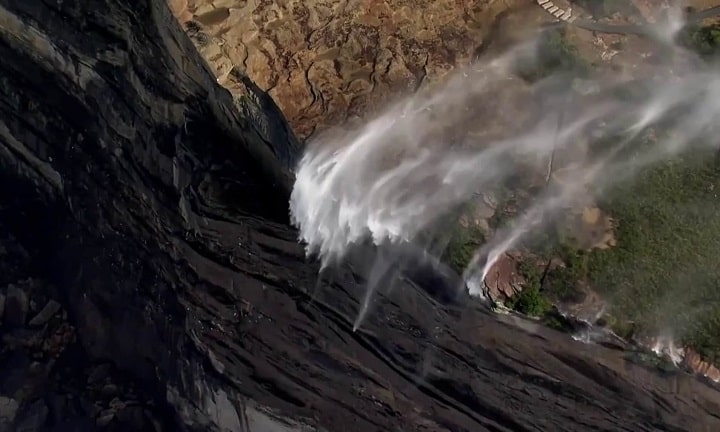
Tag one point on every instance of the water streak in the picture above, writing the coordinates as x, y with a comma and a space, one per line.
392, 180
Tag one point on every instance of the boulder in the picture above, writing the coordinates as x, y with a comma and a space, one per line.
504, 280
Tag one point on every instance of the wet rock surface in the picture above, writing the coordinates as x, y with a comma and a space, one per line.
504, 280
151, 204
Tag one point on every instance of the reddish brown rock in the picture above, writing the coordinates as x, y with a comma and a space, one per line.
695, 362
504, 280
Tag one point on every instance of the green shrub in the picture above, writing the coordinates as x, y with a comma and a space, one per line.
530, 300
623, 328
704, 335
461, 247
703, 40
555, 54
563, 283
530, 272
665, 270
664, 273
457, 243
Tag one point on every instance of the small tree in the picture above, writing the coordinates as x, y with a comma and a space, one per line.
530, 300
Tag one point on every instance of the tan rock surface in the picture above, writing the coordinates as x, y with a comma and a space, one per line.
326, 61
589, 228
696, 363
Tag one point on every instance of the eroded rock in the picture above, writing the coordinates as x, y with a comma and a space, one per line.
503, 280
327, 61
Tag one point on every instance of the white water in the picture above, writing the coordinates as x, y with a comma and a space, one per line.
391, 180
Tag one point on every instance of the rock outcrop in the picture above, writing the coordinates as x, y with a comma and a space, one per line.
329, 61
693, 361
504, 280
153, 205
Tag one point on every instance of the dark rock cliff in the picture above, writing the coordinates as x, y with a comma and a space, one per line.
152, 207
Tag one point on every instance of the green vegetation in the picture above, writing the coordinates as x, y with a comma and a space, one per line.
704, 40
555, 54
531, 300
704, 334
664, 272
562, 284
463, 243
556, 321
626, 329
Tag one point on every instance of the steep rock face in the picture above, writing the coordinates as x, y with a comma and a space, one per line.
112, 133
328, 61
156, 203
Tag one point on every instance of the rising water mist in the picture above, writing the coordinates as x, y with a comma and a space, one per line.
392, 179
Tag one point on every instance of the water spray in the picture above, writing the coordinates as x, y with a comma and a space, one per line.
391, 180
